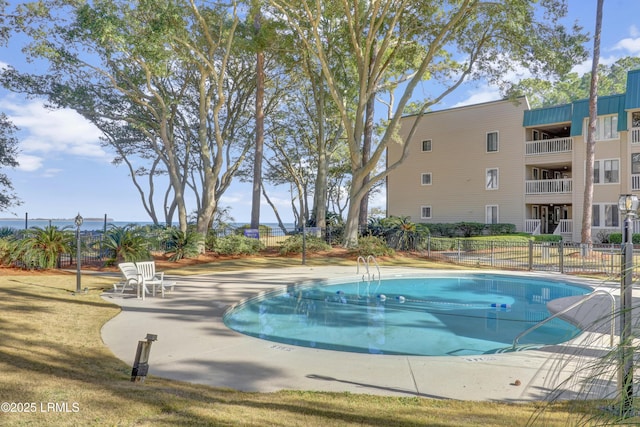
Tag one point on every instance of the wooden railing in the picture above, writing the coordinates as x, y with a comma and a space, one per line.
635, 135
549, 186
549, 146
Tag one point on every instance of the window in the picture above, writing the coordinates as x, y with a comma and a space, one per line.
492, 179
426, 145
606, 171
491, 216
595, 216
611, 216
635, 163
426, 178
425, 212
606, 127
605, 216
635, 119
492, 142
535, 174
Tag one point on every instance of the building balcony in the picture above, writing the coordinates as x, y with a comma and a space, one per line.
549, 146
635, 135
549, 186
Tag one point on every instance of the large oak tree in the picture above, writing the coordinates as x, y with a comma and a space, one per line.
392, 46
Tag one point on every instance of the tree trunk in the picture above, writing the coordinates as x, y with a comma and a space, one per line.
591, 134
257, 165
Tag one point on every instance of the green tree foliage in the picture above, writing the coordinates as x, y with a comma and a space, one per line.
8, 153
164, 80
612, 80
367, 49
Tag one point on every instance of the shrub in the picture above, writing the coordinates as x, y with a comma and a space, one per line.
293, 245
547, 238
7, 232
372, 245
441, 244
127, 244
6, 248
182, 244
42, 247
235, 244
616, 238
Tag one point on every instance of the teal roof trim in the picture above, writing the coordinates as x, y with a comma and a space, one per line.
633, 90
613, 104
548, 115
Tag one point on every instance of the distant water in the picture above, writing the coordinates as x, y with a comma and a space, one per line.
88, 225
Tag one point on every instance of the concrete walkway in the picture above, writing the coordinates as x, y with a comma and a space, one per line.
194, 345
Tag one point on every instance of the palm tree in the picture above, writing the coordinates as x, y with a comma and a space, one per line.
42, 247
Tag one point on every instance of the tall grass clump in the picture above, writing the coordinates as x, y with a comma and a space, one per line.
235, 244
293, 245
182, 244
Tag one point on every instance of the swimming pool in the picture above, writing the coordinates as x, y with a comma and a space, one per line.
462, 314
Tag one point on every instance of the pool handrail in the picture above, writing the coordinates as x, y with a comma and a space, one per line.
571, 307
366, 262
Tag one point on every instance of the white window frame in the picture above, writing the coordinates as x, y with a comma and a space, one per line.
605, 215
603, 171
429, 142
422, 212
489, 217
423, 176
497, 142
489, 183
606, 128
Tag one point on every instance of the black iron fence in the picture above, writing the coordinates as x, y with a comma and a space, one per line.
562, 257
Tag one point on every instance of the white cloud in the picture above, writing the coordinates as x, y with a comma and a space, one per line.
51, 172
629, 44
633, 31
45, 131
28, 163
484, 93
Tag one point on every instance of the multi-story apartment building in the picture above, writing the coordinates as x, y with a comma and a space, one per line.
502, 162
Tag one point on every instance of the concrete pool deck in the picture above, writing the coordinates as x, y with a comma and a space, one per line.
194, 345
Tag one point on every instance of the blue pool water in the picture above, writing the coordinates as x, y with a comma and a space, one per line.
430, 316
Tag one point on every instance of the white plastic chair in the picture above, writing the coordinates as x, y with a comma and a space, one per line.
147, 270
131, 277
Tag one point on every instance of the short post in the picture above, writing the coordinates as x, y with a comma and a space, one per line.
141, 362
304, 245
78, 221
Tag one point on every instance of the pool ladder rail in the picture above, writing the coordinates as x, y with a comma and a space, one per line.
366, 263
571, 307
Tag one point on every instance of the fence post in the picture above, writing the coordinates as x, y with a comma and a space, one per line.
429, 245
459, 254
492, 252
561, 256
530, 255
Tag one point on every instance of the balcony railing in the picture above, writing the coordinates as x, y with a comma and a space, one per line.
565, 226
635, 182
549, 186
549, 146
532, 226
635, 135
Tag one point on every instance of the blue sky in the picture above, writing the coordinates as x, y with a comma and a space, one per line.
64, 170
